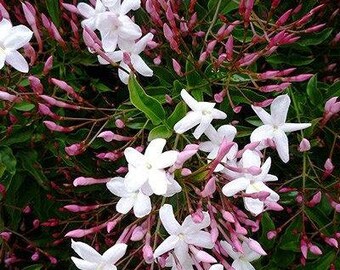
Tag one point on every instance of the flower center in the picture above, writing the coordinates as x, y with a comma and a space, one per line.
148, 166
206, 112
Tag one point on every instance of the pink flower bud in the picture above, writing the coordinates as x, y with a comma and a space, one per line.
71, 8
56, 35
138, 233
29, 15
158, 60
299, 78
315, 28
275, 3
316, 199
284, 17
185, 172
86, 181
5, 236
148, 254
54, 102
36, 85
48, 65
304, 145
209, 188
332, 242
228, 216
78, 233
36, 223
304, 247
75, 149
3, 13
27, 209
203, 57
30, 53
119, 123
77, 208
201, 255
315, 250
197, 216
177, 68
255, 246
271, 235
35, 256
111, 225
54, 127
122, 170
329, 167
274, 87
264, 103
7, 97
211, 45
273, 206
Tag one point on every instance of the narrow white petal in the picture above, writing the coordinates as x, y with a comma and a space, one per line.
261, 133
135, 179
200, 239
249, 254
158, 181
242, 265
166, 159
142, 43
142, 205
207, 146
229, 249
124, 205
124, 73
189, 226
85, 251
189, 100
109, 40
216, 267
279, 109
265, 168
168, 244
204, 124
235, 186
172, 188
187, 122
212, 134
281, 143
134, 157
128, 5
263, 115
250, 158
181, 251
217, 114
154, 149
86, 10
84, 265
114, 253
17, 61
117, 187
254, 206
17, 37
5, 27
140, 66
290, 127
2, 59
166, 214
115, 56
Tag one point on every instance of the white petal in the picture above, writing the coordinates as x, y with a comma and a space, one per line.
166, 159
85, 251
242, 265
189, 226
99, 8
216, 267
142, 205
290, 127
124, 205
2, 59
5, 27
279, 109
261, 133
235, 186
86, 10
84, 265
265, 169
189, 100
204, 124
124, 73
229, 249
117, 187
172, 188
17, 61
168, 244
134, 157
187, 122
249, 254
227, 131
109, 40
91, 23
135, 179
250, 158
181, 252
166, 214
115, 56
128, 5
154, 149
207, 147
281, 143
255, 206
263, 115
114, 253
140, 66
17, 37
102, 60
217, 114
128, 29
158, 181
213, 135
200, 239
142, 43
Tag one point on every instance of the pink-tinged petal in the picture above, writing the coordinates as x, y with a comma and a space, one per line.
140, 66
260, 186
207, 147
102, 61
114, 253
216, 267
126, 45
134, 157
166, 214
142, 43
279, 109
135, 179
99, 8
227, 131
213, 135
217, 114
128, 29
117, 187
158, 181
128, 5
86, 10
200, 239
249, 250
115, 56
5, 27
124, 74
229, 249
166, 159
265, 168
85, 251
181, 251
17, 61
255, 206
173, 188
84, 265
263, 115
142, 205
109, 40
204, 124
17, 37
187, 122
189, 100
91, 23
261, 133
242, 265
154, 149
124, 205
250, 158
189, 226
235, 186
281, 143
270, 177
290, 127
167, 245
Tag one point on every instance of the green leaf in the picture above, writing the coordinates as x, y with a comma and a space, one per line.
225, 8
24, 106
148, 105
267, 225
159, 132
53, 11
290, 240
312, 91
33, 267
31, 165
179, 112
19, 134
315, 38
293, 59
8, 165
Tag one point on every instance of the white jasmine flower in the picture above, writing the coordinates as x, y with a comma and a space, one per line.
92, 260
181, 236
252, 183
149, 167
12, 39
275, 125
138, 200
91, 14
202, 114
216, 267
136, 61
241, 260
122, 7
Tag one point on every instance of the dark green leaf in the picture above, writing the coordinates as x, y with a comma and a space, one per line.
315, 38
159, 132
179, 112
24, 106
293, 59
7, 165
267, 225
33, 267
54, 11
313, 92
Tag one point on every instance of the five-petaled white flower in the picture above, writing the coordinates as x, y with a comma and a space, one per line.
252, 183
92, 260
202, 114
181, 236
241, 260
12, 39
91, 14
149, 167
275, 125
133, 50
